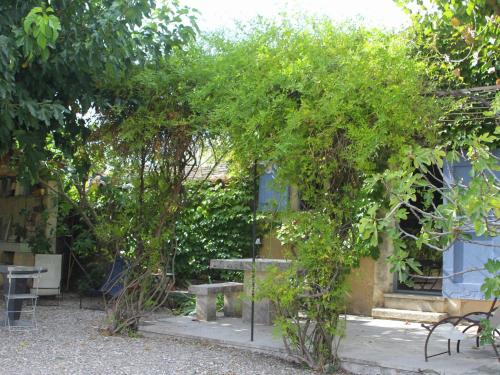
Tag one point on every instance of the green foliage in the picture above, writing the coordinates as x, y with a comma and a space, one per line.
38, 241
459, 39
491, 285
490, 288
310, 296
488, 332
328, 105
215, 223
462, 209
41, 30
93, 278
127, 184
184, 305
316, 99
118, 149
55, 60
33, 229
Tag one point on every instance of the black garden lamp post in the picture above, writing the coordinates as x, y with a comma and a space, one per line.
254, 246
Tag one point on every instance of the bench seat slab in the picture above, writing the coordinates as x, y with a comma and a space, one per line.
213, 289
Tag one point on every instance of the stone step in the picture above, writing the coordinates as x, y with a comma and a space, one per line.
415, 302
407, 315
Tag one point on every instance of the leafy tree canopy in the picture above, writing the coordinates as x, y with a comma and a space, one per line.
55, 57
328, 105
324, 103
460, 39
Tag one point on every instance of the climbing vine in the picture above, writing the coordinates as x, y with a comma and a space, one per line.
328, 105
215, 223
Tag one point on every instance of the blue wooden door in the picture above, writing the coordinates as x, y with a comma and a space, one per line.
464, 255
270, 198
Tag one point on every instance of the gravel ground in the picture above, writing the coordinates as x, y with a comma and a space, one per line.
67, 342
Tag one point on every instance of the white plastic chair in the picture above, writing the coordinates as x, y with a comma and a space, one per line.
49, 283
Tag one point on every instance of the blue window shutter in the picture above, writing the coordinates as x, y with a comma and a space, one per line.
271, 199
464, 255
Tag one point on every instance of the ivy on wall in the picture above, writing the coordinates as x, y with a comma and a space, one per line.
215, 224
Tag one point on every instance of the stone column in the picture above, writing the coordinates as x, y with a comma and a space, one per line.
383, 278
205, 307
264, 309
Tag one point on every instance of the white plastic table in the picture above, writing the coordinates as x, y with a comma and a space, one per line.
18, 286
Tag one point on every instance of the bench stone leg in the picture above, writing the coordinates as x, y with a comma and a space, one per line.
205, 307
232, 305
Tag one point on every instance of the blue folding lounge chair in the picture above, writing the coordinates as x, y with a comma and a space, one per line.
114, 282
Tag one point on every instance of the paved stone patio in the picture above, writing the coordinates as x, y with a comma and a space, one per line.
371, 346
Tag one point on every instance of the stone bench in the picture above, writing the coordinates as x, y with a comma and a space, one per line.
205, 299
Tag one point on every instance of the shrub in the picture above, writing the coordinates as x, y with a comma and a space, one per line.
310, 296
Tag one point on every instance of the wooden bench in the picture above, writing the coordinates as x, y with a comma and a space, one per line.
205, 299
